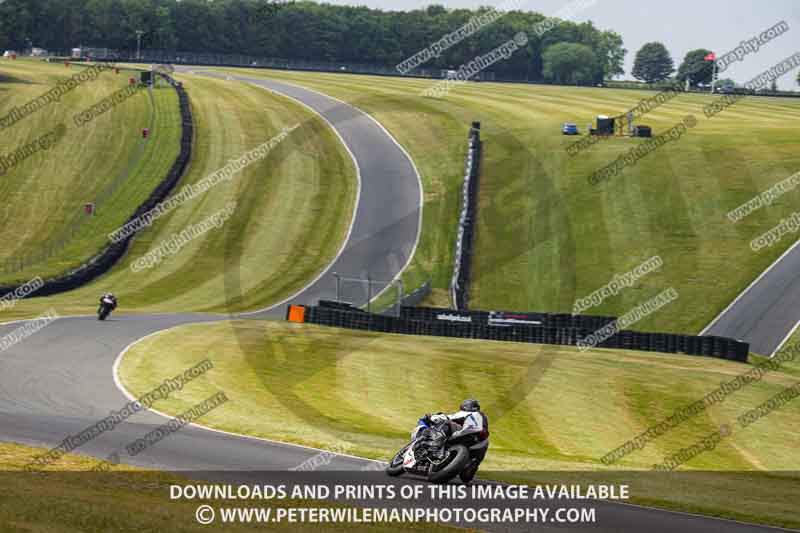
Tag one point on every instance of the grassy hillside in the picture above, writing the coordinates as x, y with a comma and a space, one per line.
42, 222
550, 408
547, 237
292, 213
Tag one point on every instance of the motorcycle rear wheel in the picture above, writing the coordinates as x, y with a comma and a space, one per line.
459, 460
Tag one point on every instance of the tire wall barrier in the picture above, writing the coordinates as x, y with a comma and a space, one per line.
554, 330
459, 286
113, 252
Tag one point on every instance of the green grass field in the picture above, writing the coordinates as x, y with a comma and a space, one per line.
43, 225
547, 237
550, 408
293, 211
74, 499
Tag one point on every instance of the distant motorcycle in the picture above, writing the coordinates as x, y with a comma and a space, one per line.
432, 453
107, 304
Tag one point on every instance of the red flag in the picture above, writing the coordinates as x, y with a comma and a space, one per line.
711, 57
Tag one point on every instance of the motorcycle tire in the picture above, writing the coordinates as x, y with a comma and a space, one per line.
468, 474
395, 467
453, 468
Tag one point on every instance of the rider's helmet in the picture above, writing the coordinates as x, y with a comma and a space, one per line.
471, 406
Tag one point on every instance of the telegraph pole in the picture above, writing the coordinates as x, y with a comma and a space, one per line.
713, 58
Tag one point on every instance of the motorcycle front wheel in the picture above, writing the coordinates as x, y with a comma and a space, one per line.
395, 467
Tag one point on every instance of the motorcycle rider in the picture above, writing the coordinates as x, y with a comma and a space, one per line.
468, 420
109, 298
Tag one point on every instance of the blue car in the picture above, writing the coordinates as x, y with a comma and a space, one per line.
570, 129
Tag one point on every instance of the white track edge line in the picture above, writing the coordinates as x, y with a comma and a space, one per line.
745, 291
786, 338
20, 320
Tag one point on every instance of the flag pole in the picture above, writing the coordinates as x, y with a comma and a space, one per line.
714, 76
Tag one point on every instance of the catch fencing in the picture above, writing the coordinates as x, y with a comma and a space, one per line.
555, 329
459, 286
112, 253
411, 299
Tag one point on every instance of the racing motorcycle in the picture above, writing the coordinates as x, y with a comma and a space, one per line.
432, 453
106, 306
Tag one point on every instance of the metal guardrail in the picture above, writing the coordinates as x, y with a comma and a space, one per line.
462, 270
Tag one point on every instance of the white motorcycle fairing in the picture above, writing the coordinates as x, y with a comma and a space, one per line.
408, 459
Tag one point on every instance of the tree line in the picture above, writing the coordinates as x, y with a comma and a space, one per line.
569, 52
653, 64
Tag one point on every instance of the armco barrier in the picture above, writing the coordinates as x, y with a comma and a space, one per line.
459, 286
108, 257
342, 316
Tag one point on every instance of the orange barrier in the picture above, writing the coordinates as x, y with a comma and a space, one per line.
296, 313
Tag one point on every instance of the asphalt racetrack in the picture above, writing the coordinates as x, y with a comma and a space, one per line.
766, 313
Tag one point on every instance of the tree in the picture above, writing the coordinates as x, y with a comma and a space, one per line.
569, 63
611, 53
294, 30
695, 68
653, 63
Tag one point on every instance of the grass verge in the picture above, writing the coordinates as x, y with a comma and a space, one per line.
76, 500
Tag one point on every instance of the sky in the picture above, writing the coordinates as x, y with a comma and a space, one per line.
682, 25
